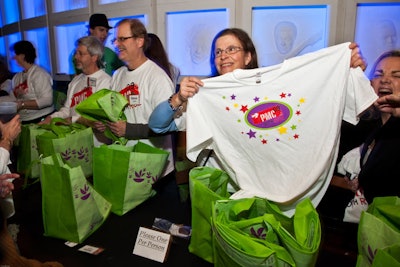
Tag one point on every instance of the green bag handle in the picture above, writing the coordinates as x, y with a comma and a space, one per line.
55, 128
387, 209
60, 127
27, 172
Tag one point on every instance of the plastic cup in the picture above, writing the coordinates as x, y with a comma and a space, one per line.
7, 111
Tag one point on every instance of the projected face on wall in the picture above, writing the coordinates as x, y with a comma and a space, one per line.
285, 34
280, 33
377, 30
189, 38
198, 43
387, 34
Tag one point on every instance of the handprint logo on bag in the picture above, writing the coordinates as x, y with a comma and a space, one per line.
85, 192
141, 175
81, 154
82, 192
259, 233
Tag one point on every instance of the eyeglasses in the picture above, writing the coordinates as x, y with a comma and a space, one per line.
80, 54
122, 39
230, 50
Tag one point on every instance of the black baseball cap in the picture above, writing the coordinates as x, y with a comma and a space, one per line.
98, 20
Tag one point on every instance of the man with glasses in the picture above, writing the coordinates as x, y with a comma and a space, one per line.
143, 83
88, 54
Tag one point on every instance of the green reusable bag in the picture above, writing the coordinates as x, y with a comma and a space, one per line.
104, 105
124, 175
254, 232
379, 233
72, 209
206, 185
74, 142
28, 154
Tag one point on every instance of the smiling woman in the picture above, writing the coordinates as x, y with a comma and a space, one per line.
379, 152
232, 48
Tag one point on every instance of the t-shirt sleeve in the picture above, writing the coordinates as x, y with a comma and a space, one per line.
359, 95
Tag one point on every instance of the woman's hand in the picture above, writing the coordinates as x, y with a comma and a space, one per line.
353, 184
6, 186
356, 58
11, 129
189, 86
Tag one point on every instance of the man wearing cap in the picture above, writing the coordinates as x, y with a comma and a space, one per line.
98, 27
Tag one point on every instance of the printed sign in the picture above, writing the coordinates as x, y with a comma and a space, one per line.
152, 244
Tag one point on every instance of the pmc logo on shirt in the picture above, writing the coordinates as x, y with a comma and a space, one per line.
268, 115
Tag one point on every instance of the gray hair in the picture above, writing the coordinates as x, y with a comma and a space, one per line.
94, 47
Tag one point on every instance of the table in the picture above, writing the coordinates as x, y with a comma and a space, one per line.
117, 235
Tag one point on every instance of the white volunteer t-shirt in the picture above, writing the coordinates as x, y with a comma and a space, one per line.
145, 88
276, 129
80, 88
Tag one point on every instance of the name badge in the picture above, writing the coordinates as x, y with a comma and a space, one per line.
134, 100
91, 82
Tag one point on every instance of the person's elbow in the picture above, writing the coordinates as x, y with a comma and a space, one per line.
159, 128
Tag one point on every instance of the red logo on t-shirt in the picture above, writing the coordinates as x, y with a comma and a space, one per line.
21, 89
266, 114
132, 94
81, 95
131, 89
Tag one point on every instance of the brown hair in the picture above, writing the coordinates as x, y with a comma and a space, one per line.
156, 52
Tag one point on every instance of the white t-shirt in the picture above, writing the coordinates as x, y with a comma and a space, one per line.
276, 129
37, 84
144, 88
81, 87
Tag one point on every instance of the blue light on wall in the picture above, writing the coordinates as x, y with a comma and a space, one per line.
60, 6
3, 50
11, 39
102, 2
12, 14
65, 38
33, 8
39, 38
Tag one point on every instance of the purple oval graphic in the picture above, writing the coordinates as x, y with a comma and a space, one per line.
268, 115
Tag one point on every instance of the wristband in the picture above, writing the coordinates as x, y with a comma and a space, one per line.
21, 104
172, 107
